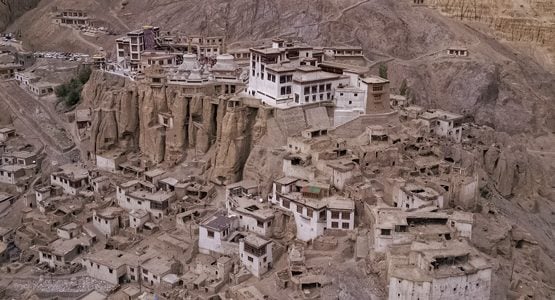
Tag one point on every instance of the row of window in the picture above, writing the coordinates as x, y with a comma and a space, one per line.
315, 88
285, 90
315, 97
335, 225
340, 215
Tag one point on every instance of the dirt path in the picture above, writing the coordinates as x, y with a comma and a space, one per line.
115, 16
78, 35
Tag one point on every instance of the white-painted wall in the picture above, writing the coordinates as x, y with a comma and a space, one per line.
103, 272
250, 223
350, 220
259, 265
108, 227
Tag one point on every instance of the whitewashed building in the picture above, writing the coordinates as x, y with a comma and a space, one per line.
108, 220
215, 233
444, 124
255, 254
136, 195
71, 178
313, 208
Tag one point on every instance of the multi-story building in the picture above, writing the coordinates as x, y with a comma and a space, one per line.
71, 178
215, 233
313, 208
62, 252
108, 220
136, 195
72, 17
155, 268
255, 254
130, 48
242, 199
113, 266
444, 124
395, 227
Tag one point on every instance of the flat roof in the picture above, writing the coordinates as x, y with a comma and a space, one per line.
158, 196
287, 180
170, 181
113, 258
155, 172
268, 50
303, 77
246, 184
280, 68
374, 79
256, 211
218, 222
341, 203
158, 265
256, 241
345, 67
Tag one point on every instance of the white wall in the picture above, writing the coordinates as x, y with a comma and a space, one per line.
400, 289
257, 266
102, 272
250, 223
207, 244
137, 222
340, 221
108, 227
106, 164
308, 227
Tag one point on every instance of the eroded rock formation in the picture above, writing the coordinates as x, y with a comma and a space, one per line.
127, 117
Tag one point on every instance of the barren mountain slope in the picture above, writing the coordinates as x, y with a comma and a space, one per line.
12, 9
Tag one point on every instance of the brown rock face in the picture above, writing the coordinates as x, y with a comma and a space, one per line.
127, 116
530, 21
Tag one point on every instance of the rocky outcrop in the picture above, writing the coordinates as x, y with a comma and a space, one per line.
127, 117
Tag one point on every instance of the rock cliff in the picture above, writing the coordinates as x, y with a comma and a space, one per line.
518, 21
127, 117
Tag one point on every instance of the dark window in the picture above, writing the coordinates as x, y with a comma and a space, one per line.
286, 203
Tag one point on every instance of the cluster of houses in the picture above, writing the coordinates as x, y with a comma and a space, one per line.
376, 173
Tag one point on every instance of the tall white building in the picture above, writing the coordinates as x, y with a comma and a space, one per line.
255, 254
287, 75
